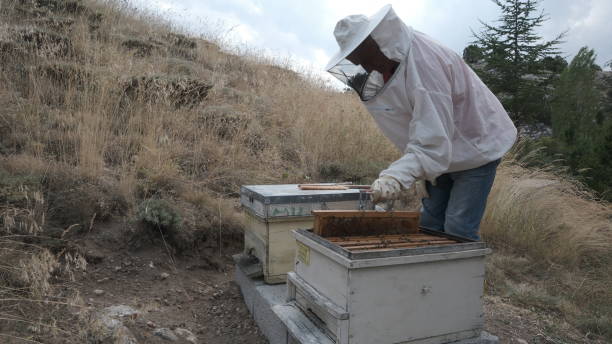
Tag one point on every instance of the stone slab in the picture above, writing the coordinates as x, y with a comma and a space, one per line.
259, 298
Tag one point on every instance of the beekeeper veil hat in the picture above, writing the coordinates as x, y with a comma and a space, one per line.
386, 29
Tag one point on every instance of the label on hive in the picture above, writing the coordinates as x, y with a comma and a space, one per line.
303, 253
282, 210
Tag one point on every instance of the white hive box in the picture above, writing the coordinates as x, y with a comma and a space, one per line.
422, 287
273, 211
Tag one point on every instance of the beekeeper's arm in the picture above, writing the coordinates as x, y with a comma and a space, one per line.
428, 152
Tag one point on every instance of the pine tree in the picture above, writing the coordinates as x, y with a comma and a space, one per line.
472, 54
582, 131
576, 101
514, 55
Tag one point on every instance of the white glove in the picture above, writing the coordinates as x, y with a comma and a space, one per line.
385, 188
421, 189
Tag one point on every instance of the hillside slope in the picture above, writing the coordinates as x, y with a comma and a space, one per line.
123, 144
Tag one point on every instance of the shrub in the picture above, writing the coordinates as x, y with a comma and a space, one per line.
158, 213
44, 43
141, 48
178, 91
223, 120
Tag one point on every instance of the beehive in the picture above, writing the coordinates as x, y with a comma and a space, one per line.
273, 211
371, 277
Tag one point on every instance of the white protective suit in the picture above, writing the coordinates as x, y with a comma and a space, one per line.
434, 108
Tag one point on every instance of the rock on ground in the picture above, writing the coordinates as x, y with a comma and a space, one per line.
187, 335
166, 334
111, 321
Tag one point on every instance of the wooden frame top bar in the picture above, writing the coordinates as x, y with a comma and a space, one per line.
364, 213
334, 223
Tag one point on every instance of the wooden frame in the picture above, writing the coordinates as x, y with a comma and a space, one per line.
336, 223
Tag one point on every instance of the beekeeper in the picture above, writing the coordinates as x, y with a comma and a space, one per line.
451, 128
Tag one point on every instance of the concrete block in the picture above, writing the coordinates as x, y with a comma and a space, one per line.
260, 298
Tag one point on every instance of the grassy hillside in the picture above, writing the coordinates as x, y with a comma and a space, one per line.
107, 114
128, 110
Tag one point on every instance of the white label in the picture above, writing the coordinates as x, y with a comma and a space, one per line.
303, 253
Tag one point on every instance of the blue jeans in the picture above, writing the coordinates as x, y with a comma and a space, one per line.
457, 202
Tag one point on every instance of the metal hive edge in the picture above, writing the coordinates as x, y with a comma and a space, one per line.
300, 196
464, 245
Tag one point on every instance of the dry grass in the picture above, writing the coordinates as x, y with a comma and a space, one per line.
32, 307
88, 110
545, 216
554, 246
111, 108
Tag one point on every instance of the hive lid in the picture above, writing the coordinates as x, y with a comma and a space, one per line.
290, 193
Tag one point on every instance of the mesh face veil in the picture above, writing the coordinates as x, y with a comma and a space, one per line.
367, 85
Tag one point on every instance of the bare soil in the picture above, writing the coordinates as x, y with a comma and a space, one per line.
198, 292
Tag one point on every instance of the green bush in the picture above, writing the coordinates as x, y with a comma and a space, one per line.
159, 213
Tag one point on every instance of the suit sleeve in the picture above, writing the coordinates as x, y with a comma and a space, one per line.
428, 153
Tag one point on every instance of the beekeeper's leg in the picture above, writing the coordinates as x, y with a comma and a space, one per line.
433, 209
468, 199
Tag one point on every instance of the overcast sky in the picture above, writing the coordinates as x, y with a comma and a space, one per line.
303, 30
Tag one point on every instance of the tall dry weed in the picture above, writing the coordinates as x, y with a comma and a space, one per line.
553, 242
551, 218
29, 298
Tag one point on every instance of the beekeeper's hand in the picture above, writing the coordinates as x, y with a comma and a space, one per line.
385, 188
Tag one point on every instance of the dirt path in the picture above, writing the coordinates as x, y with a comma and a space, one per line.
194, 292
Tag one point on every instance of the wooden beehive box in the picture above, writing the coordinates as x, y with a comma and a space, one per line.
273, 211
375, 277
